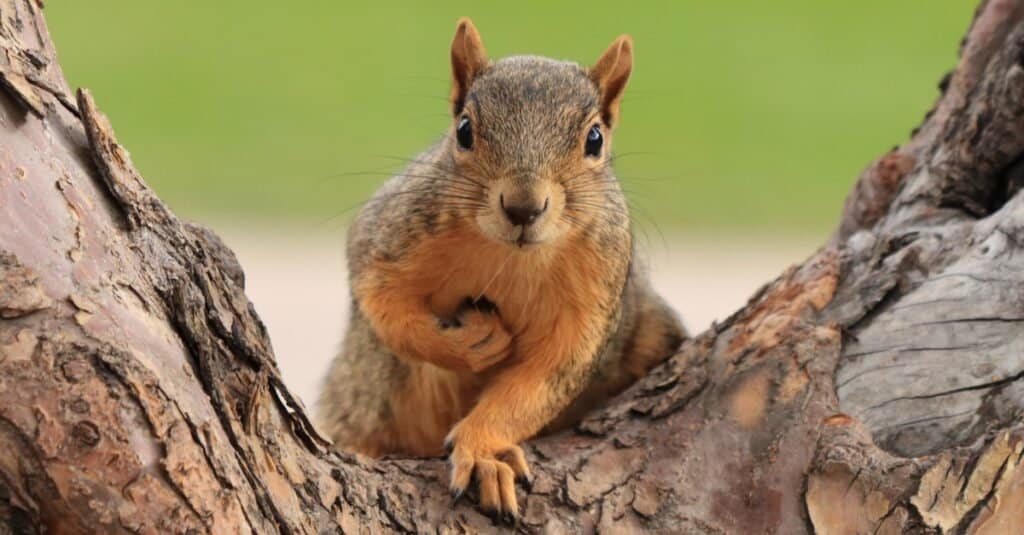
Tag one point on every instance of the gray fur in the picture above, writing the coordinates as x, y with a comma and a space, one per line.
528, 112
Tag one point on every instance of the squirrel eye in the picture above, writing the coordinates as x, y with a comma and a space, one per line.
464, 133
594, 140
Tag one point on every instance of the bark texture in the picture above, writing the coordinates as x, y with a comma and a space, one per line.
877, 387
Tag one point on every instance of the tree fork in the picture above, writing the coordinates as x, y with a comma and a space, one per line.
875, 388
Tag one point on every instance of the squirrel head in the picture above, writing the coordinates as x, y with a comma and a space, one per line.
530, 139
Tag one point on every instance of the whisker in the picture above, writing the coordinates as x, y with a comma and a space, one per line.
618, 156
377, 174
467, 194
417, 95
434, 164
598, 192
573, 220
495, 277
651, 221
654, 179
597, 205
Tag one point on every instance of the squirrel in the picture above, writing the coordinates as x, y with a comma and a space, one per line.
495, 291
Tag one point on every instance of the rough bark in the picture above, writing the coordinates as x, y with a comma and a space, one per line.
875, 388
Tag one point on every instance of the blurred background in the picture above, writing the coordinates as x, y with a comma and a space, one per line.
744, 125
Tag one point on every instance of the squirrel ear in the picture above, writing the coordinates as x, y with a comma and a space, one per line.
468, 59
610, 73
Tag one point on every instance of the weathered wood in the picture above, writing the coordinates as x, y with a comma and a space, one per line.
939, 361
875, 388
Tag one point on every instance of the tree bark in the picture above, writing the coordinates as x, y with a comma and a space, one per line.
877, 387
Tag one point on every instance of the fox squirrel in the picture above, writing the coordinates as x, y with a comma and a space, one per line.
494, 288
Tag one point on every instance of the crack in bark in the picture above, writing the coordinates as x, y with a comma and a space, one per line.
972, 276
58, 94
132, 387
989, 319
391, 514
982, 386
985, 501
849, 356
175, 299
925, 303
23, 443
105, 366
927, 419
858, 375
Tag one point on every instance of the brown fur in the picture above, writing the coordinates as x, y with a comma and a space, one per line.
576, 320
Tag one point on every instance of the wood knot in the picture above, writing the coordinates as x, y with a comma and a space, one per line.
80, 406
74, 371
86, 433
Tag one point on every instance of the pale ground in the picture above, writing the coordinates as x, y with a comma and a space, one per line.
297, 281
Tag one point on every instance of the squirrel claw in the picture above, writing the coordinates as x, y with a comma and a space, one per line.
502, 518
480, 340
452, 323
457, 495
481, 304
526, 482
510, 519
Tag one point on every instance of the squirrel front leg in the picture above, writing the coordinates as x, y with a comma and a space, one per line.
518, 402
474, 340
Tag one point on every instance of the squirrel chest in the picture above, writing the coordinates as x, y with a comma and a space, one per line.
551, 301
541, 293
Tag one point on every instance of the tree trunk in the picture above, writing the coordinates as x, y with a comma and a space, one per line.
876, 388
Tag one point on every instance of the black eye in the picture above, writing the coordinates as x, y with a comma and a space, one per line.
464, 133
594, 141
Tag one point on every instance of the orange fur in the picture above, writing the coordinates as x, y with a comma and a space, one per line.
420, 368
546, 309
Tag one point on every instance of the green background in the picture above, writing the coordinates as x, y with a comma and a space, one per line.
740, 115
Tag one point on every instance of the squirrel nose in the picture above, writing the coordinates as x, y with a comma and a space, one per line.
522, 215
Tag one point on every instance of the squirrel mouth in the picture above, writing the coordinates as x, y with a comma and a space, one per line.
523, 241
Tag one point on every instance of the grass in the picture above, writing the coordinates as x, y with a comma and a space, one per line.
740, 115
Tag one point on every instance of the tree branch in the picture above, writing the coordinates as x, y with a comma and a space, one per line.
138, 390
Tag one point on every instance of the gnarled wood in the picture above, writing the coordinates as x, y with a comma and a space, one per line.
875, 388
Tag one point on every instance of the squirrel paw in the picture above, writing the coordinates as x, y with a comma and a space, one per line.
495, 465
478, 336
